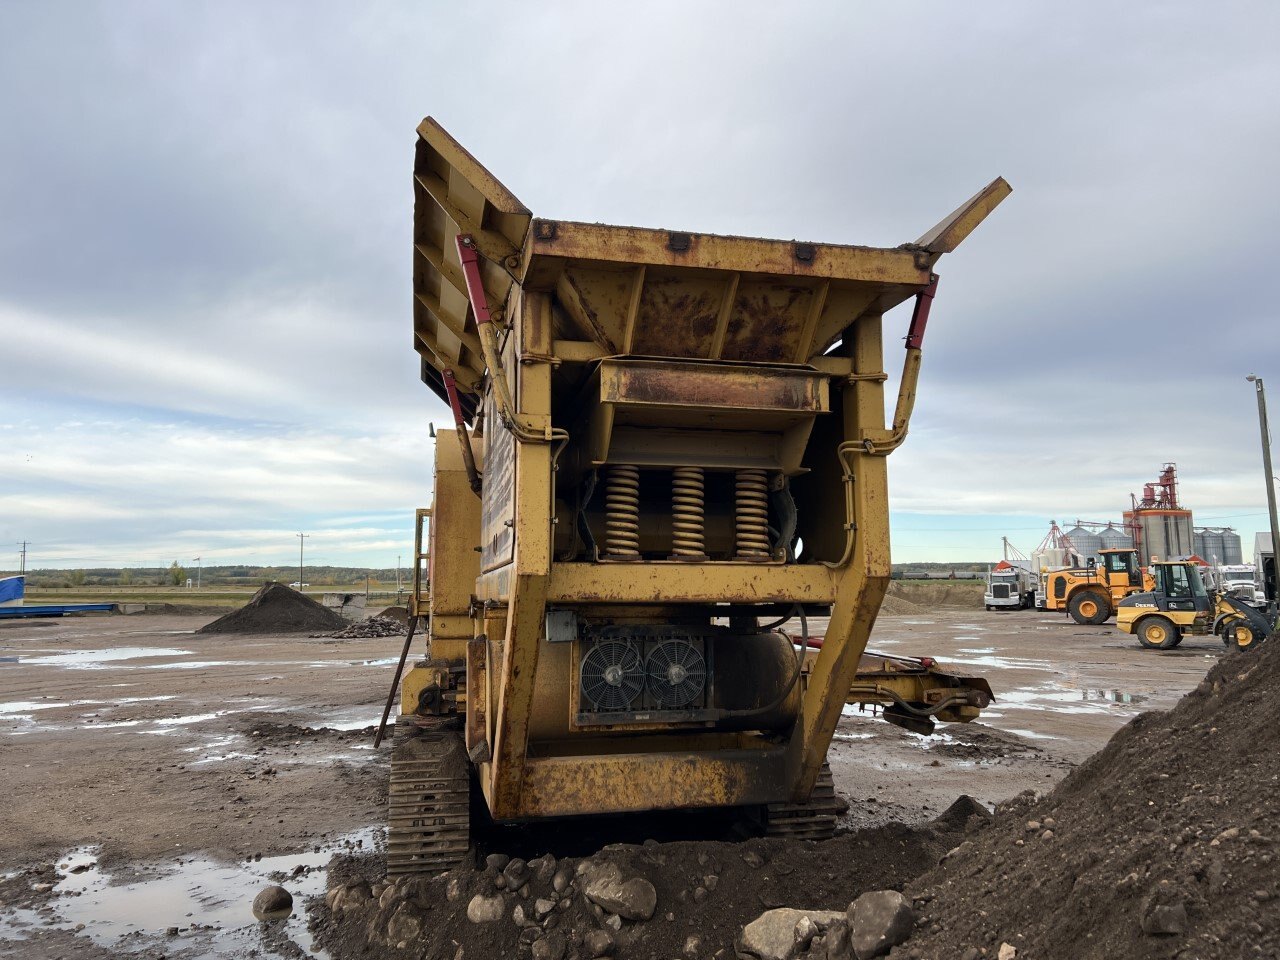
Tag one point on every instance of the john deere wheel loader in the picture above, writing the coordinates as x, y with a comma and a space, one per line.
1178, 605
666, 446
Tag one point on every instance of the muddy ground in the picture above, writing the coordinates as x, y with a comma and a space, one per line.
156, 778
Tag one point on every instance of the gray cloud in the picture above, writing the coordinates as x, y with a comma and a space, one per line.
206, 220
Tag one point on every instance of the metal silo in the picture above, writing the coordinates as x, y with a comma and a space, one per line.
1087, 543
1218, 544
1162, 532
1113, 538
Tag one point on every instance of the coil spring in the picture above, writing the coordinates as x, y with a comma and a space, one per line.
622, 511
688, 504
751, 514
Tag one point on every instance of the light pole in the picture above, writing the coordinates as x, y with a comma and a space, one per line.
197, 560
23, 569
1271, 490
302, 539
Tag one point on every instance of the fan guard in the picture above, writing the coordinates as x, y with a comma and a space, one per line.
612, 675
677, 674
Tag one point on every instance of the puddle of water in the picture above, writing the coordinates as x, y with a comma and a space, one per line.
920, 623
100, 659
1082, 701
197, 664
384, 662
1000, 663
1029, 734
208, 901
977, 649
191, 718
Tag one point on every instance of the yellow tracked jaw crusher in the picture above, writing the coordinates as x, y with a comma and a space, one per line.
667, 447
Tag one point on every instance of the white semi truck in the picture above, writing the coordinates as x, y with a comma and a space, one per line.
1010, 587
1242, 580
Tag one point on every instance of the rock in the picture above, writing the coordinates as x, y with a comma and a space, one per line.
561, 880
1007, 951
530, 934
272, 903
753, 859
613, 922
1049, 823
550, 947
699, 894
42, 887
1164, 920
496, 861
405, 924
543, 906
634, 899
710, 881
598, 943
804, 932
692, 947
772, 935
516, 873
1046, 835
517, 915
453, 889
484, 909
544, 868
837, 940
878, 922
1033, 826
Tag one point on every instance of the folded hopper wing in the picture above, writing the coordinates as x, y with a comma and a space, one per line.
454, 194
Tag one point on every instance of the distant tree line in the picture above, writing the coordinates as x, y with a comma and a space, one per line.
239, 575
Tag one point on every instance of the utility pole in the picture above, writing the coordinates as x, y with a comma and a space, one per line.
1271, 491
197, 560
23, 568
302, 539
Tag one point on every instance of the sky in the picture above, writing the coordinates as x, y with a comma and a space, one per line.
205, 220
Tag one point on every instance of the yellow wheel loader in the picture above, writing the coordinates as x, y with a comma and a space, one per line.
1179, 605
1090, 594
667, 446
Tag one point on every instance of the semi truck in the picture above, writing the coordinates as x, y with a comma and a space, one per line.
668, 458
1010, 587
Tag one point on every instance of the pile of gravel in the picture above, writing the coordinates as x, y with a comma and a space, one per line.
682, 899
369, 628
277, 609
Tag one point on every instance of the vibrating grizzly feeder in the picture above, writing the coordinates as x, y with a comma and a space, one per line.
667, 447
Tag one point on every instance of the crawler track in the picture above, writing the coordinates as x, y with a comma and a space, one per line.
428, 823
815, 819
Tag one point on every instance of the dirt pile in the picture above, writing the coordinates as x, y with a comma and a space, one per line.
934, 594
396, 613
369, 628
277, 609
680, 899
897, 607
1162, 844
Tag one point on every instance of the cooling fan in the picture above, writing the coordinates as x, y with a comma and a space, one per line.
612, 675
677, 674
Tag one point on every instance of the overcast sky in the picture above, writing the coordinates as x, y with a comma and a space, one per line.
205, 328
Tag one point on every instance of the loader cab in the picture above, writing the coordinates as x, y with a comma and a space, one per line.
1121, 567
1178, 586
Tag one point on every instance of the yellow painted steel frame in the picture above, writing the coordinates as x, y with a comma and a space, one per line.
569, 293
